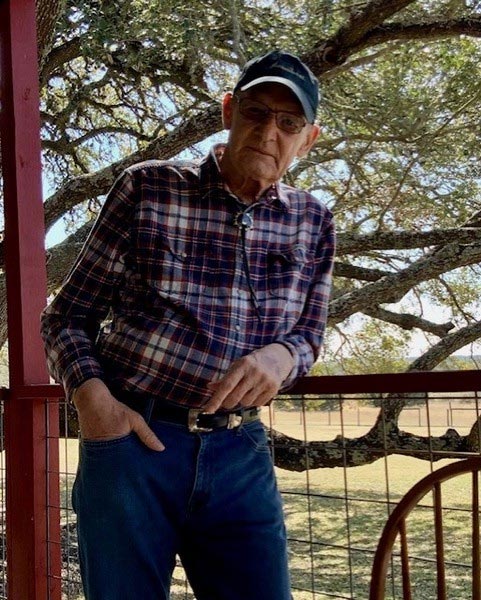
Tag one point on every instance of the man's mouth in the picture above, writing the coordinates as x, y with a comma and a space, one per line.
258, 151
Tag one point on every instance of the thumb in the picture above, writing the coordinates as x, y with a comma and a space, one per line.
146, 435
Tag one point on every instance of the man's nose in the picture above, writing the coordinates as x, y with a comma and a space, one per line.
269, 125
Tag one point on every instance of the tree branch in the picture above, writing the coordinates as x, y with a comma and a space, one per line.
393, 287
58, 56
48, 11
327, 54
445, 347
75, 191
407, 321
297, 455
358, 273
420, 31
366, 29
354, 243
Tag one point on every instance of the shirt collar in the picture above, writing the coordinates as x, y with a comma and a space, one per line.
211, 181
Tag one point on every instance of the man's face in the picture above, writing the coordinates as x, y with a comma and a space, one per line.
260, 150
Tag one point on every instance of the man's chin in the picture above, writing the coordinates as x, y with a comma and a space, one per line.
262, 166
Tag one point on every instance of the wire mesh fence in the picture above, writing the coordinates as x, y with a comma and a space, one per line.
342, 463
335, 515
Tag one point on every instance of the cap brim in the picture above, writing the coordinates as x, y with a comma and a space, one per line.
301, 96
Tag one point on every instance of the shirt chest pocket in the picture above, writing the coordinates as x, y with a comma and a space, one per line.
289, 272
177, 267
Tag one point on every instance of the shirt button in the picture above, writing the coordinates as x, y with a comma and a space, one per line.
237, 327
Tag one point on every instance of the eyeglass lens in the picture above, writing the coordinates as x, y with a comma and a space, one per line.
258, 111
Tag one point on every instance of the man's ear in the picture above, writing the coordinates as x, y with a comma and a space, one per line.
310, 139
227, 110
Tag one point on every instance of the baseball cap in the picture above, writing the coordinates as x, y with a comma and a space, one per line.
284, 68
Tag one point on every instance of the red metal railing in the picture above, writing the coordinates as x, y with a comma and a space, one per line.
24, 417
391, 383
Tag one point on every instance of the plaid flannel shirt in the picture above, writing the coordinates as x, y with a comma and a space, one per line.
179, 278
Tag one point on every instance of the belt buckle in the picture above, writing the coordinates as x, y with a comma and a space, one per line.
192, 419
234, 421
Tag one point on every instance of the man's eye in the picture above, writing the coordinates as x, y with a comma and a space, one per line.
289, 121
256, 112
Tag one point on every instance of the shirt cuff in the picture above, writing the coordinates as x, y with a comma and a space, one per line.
293, 375
304, 358
78, 373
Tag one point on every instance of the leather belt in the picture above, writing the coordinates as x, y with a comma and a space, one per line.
193, 418
198, 421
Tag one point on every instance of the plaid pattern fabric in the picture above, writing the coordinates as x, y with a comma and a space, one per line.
162, 297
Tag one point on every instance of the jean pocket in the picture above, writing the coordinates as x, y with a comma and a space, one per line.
255, 435
106, 444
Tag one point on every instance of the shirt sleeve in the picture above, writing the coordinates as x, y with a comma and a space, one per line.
305, 340
71, 323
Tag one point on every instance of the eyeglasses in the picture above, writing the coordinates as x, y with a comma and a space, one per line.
258, 112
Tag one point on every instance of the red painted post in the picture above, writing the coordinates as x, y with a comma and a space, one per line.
28, 484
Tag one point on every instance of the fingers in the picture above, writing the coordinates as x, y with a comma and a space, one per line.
246, 383
227, 391
145, 433
103, 417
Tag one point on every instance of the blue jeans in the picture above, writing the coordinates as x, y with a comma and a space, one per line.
211, 498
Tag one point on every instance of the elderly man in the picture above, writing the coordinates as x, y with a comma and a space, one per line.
201, 292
